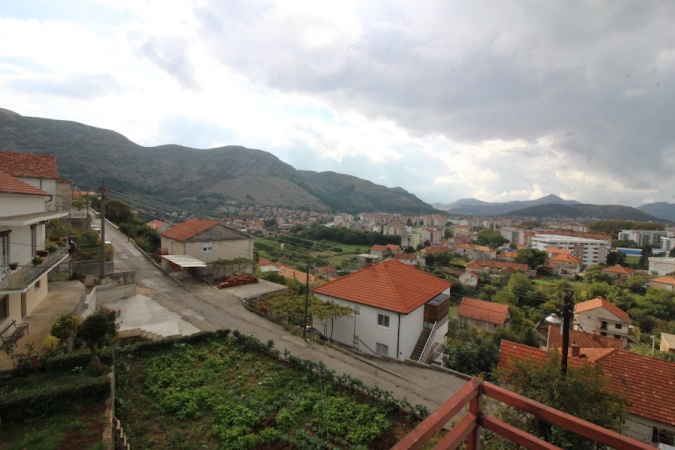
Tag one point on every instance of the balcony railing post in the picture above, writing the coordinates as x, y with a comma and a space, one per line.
475, 405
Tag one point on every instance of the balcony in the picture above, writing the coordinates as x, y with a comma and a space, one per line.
467, 429
15, 280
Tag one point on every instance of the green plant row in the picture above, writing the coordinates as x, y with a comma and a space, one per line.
23, 404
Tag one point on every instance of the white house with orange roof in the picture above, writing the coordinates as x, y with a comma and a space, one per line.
483, 315
399, 311
599, 316
158, 225
645, 382
197, 242
24, 215
563, 262
620, 272
666, 283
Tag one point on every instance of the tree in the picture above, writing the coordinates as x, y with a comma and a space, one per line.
644, 258
65, 329
532, 257
582, 392
615, 258
671, 253
98, 329
491, 238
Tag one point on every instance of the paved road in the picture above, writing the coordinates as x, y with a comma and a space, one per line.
208, 308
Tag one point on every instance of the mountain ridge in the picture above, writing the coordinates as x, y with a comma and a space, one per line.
86, 155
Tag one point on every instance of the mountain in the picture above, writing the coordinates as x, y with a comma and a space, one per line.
471, 206
584, 211
193, 179
662, 210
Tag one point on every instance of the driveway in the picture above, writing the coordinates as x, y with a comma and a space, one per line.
208, 308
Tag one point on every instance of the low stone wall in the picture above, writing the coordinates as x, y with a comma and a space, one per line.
122, 286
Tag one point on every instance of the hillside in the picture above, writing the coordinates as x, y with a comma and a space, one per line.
86, 155
584, 211
471, 206
661, 210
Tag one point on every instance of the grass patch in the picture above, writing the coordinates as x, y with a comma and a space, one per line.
81, 429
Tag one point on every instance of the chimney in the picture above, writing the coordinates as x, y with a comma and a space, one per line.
368, 262
576, 351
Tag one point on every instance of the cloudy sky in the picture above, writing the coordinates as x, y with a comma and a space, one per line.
447, 99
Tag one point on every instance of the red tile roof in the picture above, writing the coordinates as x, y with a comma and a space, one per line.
28, 165
394, 247
647, 383
390, 285
11, 185
405, 256
565, 258
490, 312
621, 270
155, 224
600, 302
583, 340
437, 248
670, 279
480, 263
379, 248
189, 228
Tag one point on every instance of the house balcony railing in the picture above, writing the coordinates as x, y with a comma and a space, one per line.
468, 428
24, 276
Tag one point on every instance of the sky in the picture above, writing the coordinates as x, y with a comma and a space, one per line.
447, 99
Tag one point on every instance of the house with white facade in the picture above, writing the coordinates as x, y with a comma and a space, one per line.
666, 283
397, 309
599, 316
483, 315
197, 242
588, 251
661, 265
25, 211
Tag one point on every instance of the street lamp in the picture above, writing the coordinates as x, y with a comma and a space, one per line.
568, 309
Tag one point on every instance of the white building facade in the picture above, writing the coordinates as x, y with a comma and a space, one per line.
588, 251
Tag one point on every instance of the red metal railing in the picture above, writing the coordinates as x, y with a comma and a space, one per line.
467, 429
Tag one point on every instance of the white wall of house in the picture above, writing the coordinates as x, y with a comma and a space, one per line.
642, 428
602, 322
363, 332
661, 266
16, 205
663, 286
46, 184
210, 251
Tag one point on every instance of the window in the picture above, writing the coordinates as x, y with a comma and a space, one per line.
603, 326
617, 336
4, 247
33, 238
383, 320
617, 326
4, 307
382, 349
208, 247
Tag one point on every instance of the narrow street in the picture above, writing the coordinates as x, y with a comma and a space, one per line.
208, 308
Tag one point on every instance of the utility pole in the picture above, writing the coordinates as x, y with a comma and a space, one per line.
568, 310
102, 274
304, 325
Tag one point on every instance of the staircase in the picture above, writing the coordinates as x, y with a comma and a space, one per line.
421, 342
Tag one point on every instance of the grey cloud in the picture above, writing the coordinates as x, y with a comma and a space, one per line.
170, 54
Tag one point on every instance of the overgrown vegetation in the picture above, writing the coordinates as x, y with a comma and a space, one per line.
237, 392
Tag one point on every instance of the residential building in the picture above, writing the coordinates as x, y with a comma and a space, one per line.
24, 216
667, 283
580, 339
411, 240
197, 242
661, 265
667, 244
395, 307
620, 272
158, 225
562, 262
472, 251
645, 383
407, 258
39, 171
599, 316
642, 237
469, 279
492, 267
381, 251
483, 315
588, 251
668, 343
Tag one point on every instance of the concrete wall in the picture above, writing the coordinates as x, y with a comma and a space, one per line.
99, 295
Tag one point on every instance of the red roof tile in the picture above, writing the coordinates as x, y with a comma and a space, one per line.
379, 248
480, 263
670, 279
583, 340
155, 224
490, 312
620, 270
11, 185
600, 302
189, 228
647, 383
28, 165
390, 285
